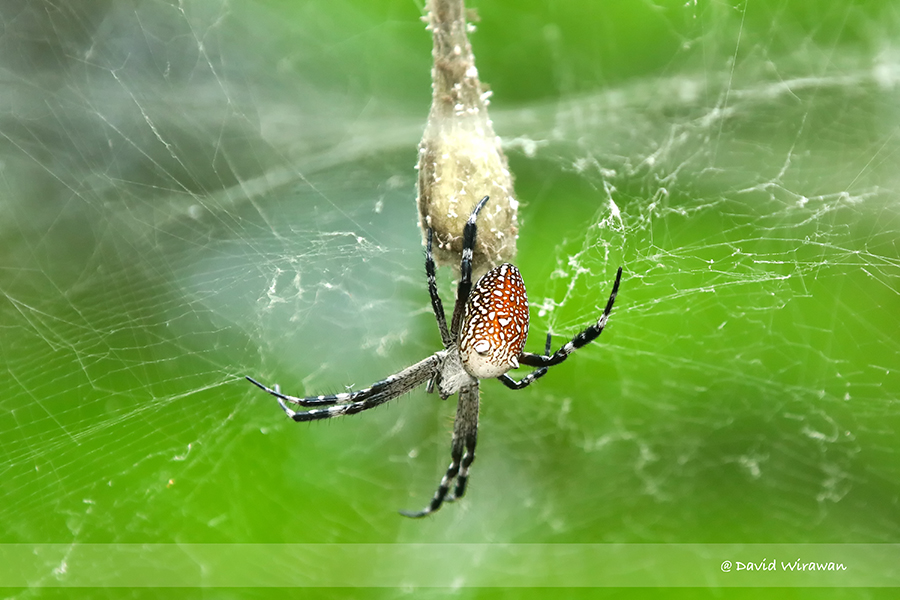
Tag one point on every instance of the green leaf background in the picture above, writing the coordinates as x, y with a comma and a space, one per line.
197, 191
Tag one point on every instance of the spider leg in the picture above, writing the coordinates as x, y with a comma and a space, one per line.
462, 453
433, 292
585, 337
354, 402
310, 401
531, 377
465, 268
471, 438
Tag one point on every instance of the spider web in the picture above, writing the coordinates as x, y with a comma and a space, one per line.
198, 191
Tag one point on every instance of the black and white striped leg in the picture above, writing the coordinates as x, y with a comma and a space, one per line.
462, 453
436, 303
443, 487
465, 267
353, 402
468, 458
531, 377
585, 337
469, 396
325, 400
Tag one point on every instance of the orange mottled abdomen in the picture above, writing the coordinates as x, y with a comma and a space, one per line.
495, 324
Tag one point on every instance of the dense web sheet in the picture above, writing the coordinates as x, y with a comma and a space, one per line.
198, 191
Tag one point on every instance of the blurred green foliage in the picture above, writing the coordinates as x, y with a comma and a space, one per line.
198, 191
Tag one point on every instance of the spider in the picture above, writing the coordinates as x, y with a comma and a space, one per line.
485, 339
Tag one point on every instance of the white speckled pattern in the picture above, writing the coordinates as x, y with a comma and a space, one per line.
495, 325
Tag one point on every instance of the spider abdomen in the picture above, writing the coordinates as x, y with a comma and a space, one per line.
495, 324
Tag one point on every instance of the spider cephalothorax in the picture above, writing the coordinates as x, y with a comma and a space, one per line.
486, 338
